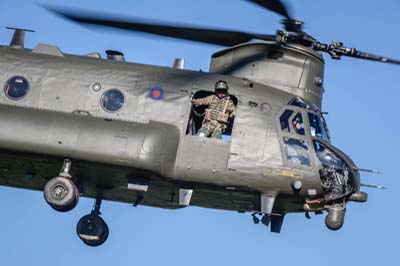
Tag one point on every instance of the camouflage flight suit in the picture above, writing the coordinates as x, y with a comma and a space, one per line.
216, 115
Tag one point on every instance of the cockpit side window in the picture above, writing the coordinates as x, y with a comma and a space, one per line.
296, 152
284, 120
298, 124
294, 139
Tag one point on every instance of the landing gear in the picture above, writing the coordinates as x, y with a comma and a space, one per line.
335, 218
91, 228
275, 221
60, 192
256, 220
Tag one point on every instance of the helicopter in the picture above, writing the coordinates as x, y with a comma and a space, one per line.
128, 132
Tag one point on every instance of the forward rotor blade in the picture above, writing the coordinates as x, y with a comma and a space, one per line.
204, 35
372, 57
336, 50
274, 5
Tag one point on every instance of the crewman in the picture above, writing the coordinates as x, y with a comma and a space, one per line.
220, 108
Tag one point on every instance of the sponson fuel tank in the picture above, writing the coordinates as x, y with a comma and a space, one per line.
293, 68
151, 146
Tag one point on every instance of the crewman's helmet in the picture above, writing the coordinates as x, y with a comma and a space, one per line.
221, 87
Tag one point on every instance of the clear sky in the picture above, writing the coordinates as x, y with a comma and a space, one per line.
361, 98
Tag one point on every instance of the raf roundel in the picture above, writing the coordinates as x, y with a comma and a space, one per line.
156, 93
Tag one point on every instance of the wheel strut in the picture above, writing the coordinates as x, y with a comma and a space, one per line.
60, 192
96, 207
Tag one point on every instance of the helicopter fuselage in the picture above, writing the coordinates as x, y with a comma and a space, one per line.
144, 153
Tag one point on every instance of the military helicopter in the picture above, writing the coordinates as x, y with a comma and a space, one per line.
113, 130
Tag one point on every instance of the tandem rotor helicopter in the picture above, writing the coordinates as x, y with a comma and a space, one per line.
247, 136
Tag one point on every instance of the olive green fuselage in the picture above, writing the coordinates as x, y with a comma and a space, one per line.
62, 117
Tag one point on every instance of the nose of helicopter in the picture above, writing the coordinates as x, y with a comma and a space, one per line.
355, 173
339, 175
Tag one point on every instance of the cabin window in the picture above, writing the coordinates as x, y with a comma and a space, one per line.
112, 100
16, 88
211, 116
296, 152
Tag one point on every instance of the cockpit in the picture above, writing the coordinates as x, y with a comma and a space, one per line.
304, 133
318, 126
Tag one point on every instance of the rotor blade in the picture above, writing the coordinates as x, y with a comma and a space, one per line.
274, 5
204, 35
336, 50
372, 57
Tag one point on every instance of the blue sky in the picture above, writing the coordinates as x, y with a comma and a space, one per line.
361, 98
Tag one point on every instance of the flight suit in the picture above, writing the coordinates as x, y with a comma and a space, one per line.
216, 115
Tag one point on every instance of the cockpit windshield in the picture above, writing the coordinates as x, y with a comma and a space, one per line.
336, 177
318, 125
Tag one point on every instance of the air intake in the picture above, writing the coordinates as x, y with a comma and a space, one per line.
115, 55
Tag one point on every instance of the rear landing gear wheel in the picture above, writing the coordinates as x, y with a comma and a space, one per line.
92, 230
61, 194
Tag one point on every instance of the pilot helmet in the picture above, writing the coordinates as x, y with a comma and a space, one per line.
297, 120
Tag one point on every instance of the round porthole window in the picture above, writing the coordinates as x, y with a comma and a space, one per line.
112, 100
16, 88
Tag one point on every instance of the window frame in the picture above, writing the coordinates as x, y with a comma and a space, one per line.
7, 84
293, 135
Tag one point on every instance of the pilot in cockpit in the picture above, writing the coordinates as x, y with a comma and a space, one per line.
298, 125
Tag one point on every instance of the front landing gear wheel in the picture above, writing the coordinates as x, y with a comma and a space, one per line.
335, 218
92, 230
61, 194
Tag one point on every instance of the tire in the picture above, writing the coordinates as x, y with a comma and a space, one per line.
335, 218
61, 194
92, 230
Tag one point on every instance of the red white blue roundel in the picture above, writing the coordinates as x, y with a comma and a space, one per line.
156, 93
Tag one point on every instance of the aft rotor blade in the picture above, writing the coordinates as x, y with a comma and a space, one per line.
204, 35
273, 5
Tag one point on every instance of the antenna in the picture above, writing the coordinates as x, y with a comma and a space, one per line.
368, 171
373, 186
18, 39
